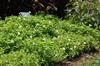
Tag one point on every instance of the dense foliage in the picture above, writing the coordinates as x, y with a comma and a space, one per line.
43, 40
85, 11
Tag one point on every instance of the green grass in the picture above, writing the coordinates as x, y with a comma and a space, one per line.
43, 40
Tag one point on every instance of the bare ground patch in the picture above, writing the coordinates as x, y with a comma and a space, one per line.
82, 60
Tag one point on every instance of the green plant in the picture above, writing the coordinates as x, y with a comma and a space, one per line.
41, 41
85, 11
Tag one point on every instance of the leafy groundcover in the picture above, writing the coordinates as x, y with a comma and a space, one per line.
43, 40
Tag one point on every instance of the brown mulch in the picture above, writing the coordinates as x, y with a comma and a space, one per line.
82, 60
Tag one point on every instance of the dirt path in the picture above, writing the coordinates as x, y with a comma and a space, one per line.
81, 61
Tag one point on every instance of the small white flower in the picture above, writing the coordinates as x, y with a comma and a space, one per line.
90, 25
69, 14
44, 26
75, 46
34, 43
44, 39
67, 44
58, 37
18, 33
37, 24
64, 48
69, 39
56, 55
12, 41
71, 48
23, 18
31, 37
54, 38
19, 18
20, 26
78, 43
84, 42
49, 21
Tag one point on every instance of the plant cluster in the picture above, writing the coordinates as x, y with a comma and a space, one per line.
43, 40
85, 11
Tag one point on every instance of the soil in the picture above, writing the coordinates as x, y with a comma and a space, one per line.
82, 60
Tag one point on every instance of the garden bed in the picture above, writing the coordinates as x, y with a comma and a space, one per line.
43, 40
